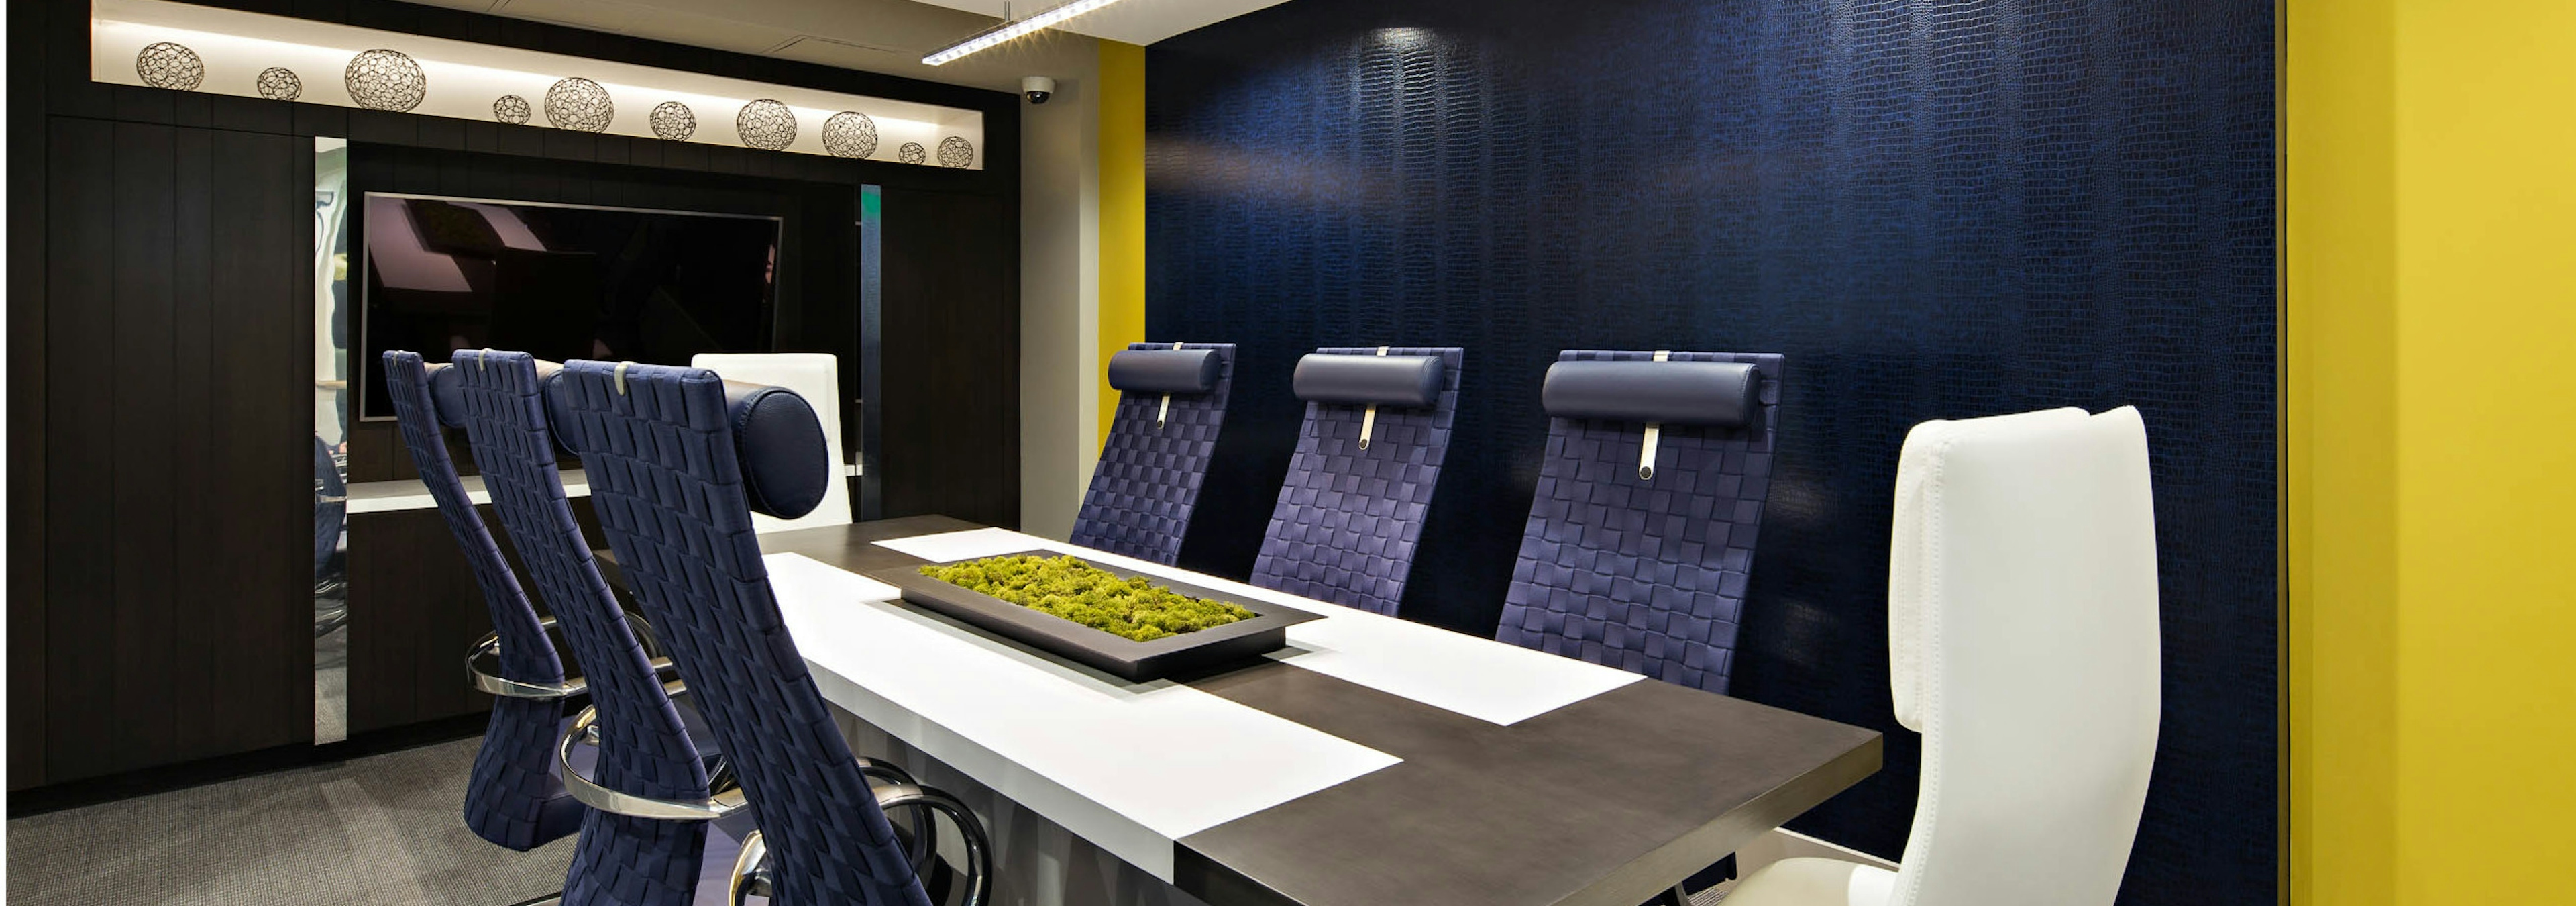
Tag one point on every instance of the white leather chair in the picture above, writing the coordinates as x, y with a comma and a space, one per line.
2022, 624
816, 376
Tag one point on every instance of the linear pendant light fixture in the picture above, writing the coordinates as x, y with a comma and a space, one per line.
1013, 29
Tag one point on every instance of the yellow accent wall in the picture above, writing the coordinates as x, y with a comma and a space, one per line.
2486, 450
1122, 210
2429, 450
2339, 446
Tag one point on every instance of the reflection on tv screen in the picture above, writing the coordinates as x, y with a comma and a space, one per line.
561, 282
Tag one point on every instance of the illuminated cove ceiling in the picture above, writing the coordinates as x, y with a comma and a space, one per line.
184, 47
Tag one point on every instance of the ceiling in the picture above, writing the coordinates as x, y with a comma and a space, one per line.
888, 36
1132, 21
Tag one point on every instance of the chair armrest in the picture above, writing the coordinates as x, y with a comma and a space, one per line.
881, 774
590, 793
489, 646
644, 635
881, 770
979, 858
751, 872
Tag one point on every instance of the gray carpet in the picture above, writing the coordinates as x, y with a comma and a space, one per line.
384, 829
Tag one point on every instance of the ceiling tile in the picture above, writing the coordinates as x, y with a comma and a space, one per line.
845, 54
596, 15
1132, 21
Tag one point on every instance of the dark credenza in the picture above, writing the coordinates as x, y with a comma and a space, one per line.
414, 610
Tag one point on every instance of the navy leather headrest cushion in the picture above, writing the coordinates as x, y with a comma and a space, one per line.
1672, 393
1369, 380
786, 464
1163, 370
558, 412
447, 394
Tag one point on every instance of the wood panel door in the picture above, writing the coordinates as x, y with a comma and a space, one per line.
176, 615
950, 357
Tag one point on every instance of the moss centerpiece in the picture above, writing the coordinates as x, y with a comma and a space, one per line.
1066, 587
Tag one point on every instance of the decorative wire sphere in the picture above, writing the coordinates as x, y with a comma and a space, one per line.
511, 109
850, 133
912, 153
278, 83
673, 120
956, 151
765, 124
386, 80
579, 104
166, 65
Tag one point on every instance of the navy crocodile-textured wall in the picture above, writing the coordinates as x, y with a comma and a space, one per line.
1936, 210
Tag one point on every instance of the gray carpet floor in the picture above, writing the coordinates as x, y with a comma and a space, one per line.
384, 829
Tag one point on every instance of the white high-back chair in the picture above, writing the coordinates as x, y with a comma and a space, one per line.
816, 376
2022, 629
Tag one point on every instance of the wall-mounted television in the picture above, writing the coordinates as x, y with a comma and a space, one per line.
560, 281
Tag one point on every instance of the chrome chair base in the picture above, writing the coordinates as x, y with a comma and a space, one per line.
898, 793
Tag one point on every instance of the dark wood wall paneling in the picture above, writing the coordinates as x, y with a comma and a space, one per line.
946, 366
160, 328
27, 274
174, 617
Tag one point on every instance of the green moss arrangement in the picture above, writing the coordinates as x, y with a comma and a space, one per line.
1077, 591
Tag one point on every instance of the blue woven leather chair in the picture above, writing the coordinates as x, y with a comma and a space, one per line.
1360, 482
675, 469
644, 748
330, 550
515, 799
1641, 533
1171, 402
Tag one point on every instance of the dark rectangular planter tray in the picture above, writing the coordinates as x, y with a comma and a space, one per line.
1186, 653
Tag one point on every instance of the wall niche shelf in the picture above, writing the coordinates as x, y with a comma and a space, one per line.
186, 47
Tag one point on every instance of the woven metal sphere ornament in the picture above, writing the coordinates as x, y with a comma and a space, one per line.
955, 151
912, 153
850, 134
673, 120
765, 124
386, 80
165, 65
511, 109
278, 83
580, 105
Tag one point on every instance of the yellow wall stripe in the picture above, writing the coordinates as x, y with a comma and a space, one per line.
2486, 450
2339, 374
2429, 449
1122, 210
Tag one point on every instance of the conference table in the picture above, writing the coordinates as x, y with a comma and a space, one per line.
1372, 761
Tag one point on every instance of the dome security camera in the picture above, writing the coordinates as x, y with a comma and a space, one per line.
1038, 88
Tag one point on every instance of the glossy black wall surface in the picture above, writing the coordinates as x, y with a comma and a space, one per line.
1934, 210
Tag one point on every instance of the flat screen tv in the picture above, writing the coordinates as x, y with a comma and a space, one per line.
561, 282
